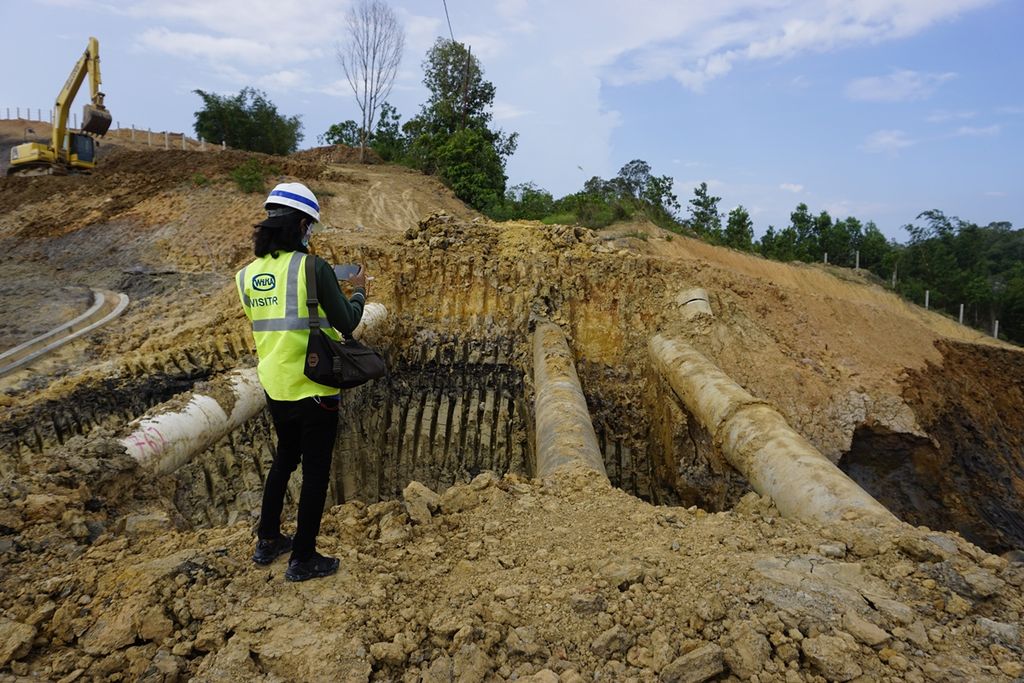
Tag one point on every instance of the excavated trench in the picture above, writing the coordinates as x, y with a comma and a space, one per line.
452, 407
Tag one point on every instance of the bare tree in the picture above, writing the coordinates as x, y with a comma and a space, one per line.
370, 59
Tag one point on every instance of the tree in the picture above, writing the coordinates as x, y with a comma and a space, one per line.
370, 59
387, 140
739, 231
704, 216
459, 105
802, 224
247, 121
344, 133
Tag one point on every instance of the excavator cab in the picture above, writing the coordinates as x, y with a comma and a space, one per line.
81, 151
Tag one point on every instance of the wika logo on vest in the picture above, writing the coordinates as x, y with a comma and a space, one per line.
264, 282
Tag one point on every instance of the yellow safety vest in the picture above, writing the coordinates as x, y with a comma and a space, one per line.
273, 294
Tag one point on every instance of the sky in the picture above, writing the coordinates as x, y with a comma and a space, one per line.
879, 109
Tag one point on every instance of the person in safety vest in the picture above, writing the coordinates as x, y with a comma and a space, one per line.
305, 414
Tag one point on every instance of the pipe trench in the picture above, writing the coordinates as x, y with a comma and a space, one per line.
168, 437
565, 434
757, 441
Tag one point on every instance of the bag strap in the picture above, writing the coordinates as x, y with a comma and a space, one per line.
311, 301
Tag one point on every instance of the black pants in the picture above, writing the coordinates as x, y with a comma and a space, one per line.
305, 433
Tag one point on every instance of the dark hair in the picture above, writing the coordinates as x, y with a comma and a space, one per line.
280, 233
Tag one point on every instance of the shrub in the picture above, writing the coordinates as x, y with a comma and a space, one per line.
250, 175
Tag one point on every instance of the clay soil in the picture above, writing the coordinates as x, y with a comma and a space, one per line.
674, 571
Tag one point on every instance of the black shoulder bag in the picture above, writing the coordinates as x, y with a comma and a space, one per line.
332, 363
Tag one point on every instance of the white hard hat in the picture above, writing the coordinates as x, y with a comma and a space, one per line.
296, 196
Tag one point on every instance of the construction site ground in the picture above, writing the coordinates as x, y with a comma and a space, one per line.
455, 564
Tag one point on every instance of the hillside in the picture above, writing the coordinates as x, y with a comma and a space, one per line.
673, 570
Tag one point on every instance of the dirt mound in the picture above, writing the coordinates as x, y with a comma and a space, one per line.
500, 579
337, 154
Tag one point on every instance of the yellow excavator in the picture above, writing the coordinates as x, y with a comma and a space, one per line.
68, 152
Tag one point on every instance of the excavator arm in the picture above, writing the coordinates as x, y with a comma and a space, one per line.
95, 118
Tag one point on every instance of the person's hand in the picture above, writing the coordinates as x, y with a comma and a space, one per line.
359, 279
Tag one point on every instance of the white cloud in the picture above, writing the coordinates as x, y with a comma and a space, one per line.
899, 86
505, 111
1010, 110
978, 131
943, 116
795, 188
890, 141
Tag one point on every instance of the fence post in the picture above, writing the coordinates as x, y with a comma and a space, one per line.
961, 314
167, 140
926, 295
995, 332
223, 145
857, 259
133, 132
149, 137
826, 257
39, 114
17, 110
8, 112
202, 144
182, 141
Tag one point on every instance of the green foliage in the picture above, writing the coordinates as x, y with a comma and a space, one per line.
387, 139
251, 175
739, 231
560, 219
469, 165
344, 133
704, 216
199, 180
459, 106
247, 121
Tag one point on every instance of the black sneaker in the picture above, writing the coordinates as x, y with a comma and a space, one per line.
268, 549
314, 567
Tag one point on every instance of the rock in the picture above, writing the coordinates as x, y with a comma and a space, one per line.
957, 606
588, 603
1012, 669
701, 664
43, 507
893, 609
746, 651
922, 549
914, 633
522, 641
471, 664
614, 641
392, 654
1008, 634
542, 676
394, 529
459, 498
832, 656
147, 523
484, 480
863, 630
112, 631
983, 583
155, 625
420, 502
210, 638
231, 663
833, 550
15, 640
440, 671
621, 573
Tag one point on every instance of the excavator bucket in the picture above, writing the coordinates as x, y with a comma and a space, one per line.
95, 119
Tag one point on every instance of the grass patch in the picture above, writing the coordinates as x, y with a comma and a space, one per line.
559, 219
199, 180
251, 175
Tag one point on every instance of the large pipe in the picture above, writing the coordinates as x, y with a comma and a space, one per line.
757, 441
169, 436
565, 434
